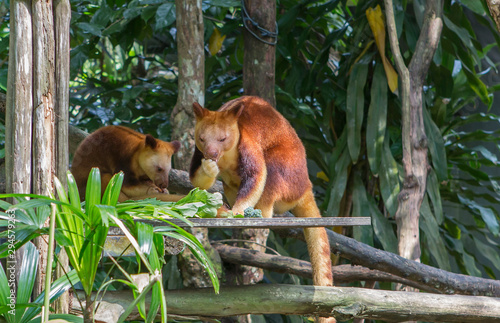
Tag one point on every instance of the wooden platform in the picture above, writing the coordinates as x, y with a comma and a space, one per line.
117, 244
245, 223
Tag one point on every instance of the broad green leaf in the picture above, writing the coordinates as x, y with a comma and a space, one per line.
490, 253
468, 261
435, 244
435, 196
224, 3
360, 208
487, 214
487, 154
470, 265
436, 147
382, 228
464, 36
102, 16
339, 184
355, 107
479, 88
377, 119
90, 28
474, 5
199, 203
165, 15
477, 174
389, 179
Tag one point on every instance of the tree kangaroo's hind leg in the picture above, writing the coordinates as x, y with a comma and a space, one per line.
317, 241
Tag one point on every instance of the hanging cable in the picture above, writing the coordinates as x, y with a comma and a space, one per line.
263, 32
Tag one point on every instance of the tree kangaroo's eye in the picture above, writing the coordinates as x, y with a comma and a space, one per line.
202, 140
222, 139
159, 169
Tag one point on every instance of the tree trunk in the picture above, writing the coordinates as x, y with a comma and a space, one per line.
43, 117
415, 161
259, 55
494, 6
259, 19
62, 18
191, 58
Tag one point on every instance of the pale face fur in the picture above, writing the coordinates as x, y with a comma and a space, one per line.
156, 164
214, 137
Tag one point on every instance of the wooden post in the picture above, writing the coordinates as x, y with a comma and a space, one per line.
62, 17
19, 100
19, 105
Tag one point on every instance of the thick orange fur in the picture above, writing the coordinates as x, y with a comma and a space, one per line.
144, 160
262, 163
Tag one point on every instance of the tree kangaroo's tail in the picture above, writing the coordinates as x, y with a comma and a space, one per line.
317, 241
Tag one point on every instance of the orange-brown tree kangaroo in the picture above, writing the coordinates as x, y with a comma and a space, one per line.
262, 164
144, 160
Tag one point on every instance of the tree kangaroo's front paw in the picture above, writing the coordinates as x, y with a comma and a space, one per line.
156, 189
210, 167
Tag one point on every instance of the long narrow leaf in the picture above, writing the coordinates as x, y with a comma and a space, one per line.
436, 147
339, 184
93, 192
7, 299
377, 119
435, 196
382, 228
27, 275
362, 233
355, 108
139, 298
132, 240
112, 192
58, 287
389, 179
435, 244
199, 253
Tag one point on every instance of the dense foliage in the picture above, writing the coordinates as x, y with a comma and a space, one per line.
331, 84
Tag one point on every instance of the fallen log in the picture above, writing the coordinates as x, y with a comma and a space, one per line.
342, 302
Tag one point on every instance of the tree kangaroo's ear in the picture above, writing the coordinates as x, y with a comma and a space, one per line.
151, 141
236, 110
199, 111
176, 145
